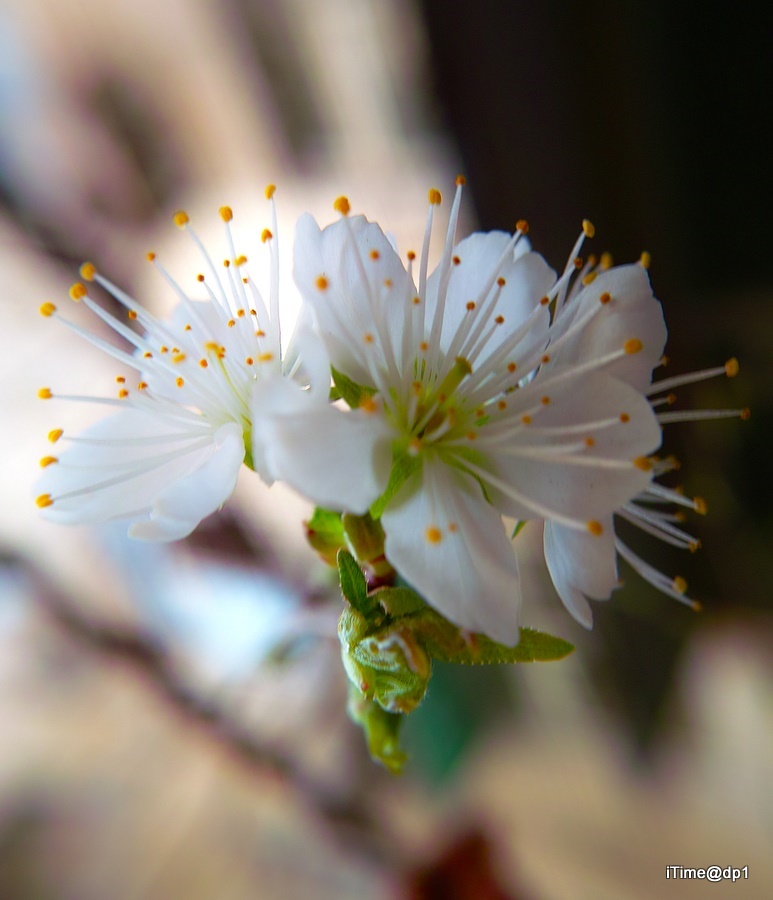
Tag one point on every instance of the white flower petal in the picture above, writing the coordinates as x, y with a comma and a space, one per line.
632, 312
137, 461
579, 487
339, 460
351, 276
471, 574
581, 564
528, 278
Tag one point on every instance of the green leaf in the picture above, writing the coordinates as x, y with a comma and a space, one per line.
351, 392
353, 584
444, 641
398, 601
403, 466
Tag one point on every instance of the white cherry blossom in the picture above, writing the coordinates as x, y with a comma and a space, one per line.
464, 397
171, 453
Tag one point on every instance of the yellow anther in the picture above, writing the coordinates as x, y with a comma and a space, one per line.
180, 218
471, 435
645, 260
700, 506
132, 314
545, 401
44, 500
411, 255
694, 546
511, 367
434, 196
664, 360
545, 359
240, 260
88, 271
374, 254
388, 282
164, 349
590, 442
47, 309
604, 298
588, 228
633, 345
544, 301
226, 213
606, 261
416, 301
322, 283
643, 463
203, 363
269, 192
470, 305
199, 277
231, 323
522, 225
241, 313
500, 320
696, 606
227, 263
526, 420
624, 418
178, 358
187, 328
142, 385
119, 379
595, 528
732, 368
249, 361
590, 278
147, 355
78, 291
456, 260
48, 461
123, 394
460, 181
54, 435
341, 205
502, 405
266, 235
679, 585
179, 382
433, 535
423, 346
368, 337
746, 413
578, 262
45, 394
150, 257
265, 357
368, 405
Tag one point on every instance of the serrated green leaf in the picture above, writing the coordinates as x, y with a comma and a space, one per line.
445, 642
398, 601
403, 466
353, 584
349, 390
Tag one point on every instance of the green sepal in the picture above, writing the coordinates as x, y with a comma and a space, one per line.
403, 466
354, 586
381, 730
349, 390
325, 534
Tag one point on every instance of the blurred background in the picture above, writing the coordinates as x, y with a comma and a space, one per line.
172, 717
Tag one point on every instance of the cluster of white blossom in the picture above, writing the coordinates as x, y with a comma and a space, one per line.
492, 387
